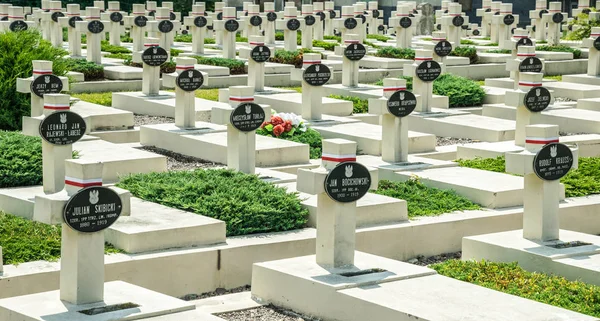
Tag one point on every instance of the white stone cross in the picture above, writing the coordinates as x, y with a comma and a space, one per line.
51, 22
4, 11
583, 6
198, 22
269, 24
436, 38
290, 20
174, 16
504, 25
349, 67
229, 27
394, 137
114, 16
137, 23
164, 27
150, 74
375, 18
94, 29
401, 23
347, 23
16, 20
256, 70
485, 19
494, 22
537, 20
516, 98
554, 19
216, 16
524, 52
453, 23
308, 31
329, 21
513, 45
69, 22
594, 54
241, 146
540, 197
319, 25
424, 89
336, 221
40, 69
312, 96
242, 15
43, 22
253, 10
359, 13
185, 98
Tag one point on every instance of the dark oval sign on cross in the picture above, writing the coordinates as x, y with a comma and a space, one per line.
200, 22
375, 13
428, 71
140, 21
350, 23
155, 56
557, 17
355, 51
116, 17
317, 75
509, 19
271, 16
310, 20
402, 103
165, 26
247, 117
232, 25
458, 21
92, 209
537, 99
443, 48
405, 22
476, 32
95, 26
321, 15
62, 128
46, 84
190, 80
172, 16
57, 15
332, 14
260, 53
524, 42
597, 43
362, 18
293, 24
255, 21
348, 182
553, 161
531, 64
73, 20
18, 25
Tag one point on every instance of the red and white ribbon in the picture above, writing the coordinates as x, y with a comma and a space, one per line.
93, 18
529, 84
228, 17
438, 39
184, 67
243, 99
423, 58
526, 54
257, 43
401, 14
75, 14
16, 17
338, 158
150, 45
42, 72
57, 106
595, 35
393, 89
311, 62
351, 41
541, 140
83, 183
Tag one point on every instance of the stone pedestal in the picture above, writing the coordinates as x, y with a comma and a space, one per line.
40, 68
228, 35
195, 22
554, 28
401, 23
94, 52
290, 38
74, 36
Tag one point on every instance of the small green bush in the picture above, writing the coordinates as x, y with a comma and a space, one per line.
105, 46
241, 39
324, 44
461, 91
290, 57
466, 51
90, 70
361, 106
491, 44
584, 27
247, 204
489, 164
500, 51
183, 38
17, 50
380, 38
126, 37
166, 68
466, 42
561, 48
236, 67
512, 279
119, 56
20, 160
398, 53
336, 38
310, 137
175, 52
425, 201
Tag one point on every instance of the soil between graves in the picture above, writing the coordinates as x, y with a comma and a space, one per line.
179, 162
139, 120
265, 313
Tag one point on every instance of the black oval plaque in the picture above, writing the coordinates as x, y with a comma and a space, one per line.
293, 24
402, 103
543, 12
220, 16
5, 18
95, 26
116, 17
524, 42
172, 16
151, 13
362, 18
355, 51
317, 75
200, 22
531, 64
405, 22
260, 53
443, 48
190, 80
310, 20
271, 16
46, 84
165, 26
375, 13
140, 21
586, 11
553, 161
256, 21
332, 14
438, 27
56, 15
557, 17
381, 28
232, 25
93, 209
428, 71
321, 15
62, 128
597, 43
350, 23
537, 99
458, 21
155, 56
247, 117
184, 32
18, 25
476, 32
509, 19
73, 21
348, 182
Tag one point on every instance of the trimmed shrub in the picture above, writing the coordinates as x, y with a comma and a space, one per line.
90, 70
247, 204
561, 48
290, 57
584, 27
398, 53
175, 52
381, 38
310, 137
119, 56
18, 50
500, 51
105, 46
325, 45
236, 67
466, 51
489, 164
166, 68
360, 106
466, 42
462, 92
20, 160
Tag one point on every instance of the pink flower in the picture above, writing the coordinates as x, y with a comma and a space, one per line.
276, 120
288, 125
278, 130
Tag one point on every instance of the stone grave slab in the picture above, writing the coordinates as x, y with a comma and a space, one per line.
494, 95
193, 315
589, 104
209, 141
386, 170
372, 62
554, 56
292, 103
100, 118
47, 306
341, 90
491, 58
152, 227
574, 263
402, 291
122, 72
368, 137
213, 71
372, 209
582, 79
489, 189
572, 90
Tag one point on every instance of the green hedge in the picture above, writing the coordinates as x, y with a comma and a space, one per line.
512, 279
380, 38
393, 52
90, 70
325, 44
310, 137
466, 51
106, 47
17, 50
360, 106
290, 57
20, 160
236, 67
560, 48
246, 204
461, 91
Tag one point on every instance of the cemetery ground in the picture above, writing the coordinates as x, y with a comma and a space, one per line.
225, 154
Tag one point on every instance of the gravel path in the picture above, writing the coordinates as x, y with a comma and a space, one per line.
424, 261
151, 120
562, 99
217, 292
445, 141
179, 162
569, 134
266, 313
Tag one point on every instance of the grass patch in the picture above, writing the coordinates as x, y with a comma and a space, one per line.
557, 77
491, 44
175, 52
461, 91
360, 106
325, 44
561, 48
236, 67
90, 70
105, 46
296, 89
103, 98
578, 182
466, 51
512, 279
290, 57
393, 52
466, 42
423, 200
499, 51
246, 204
24, 240
208, 94
380, 38
20, 160
119, 56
